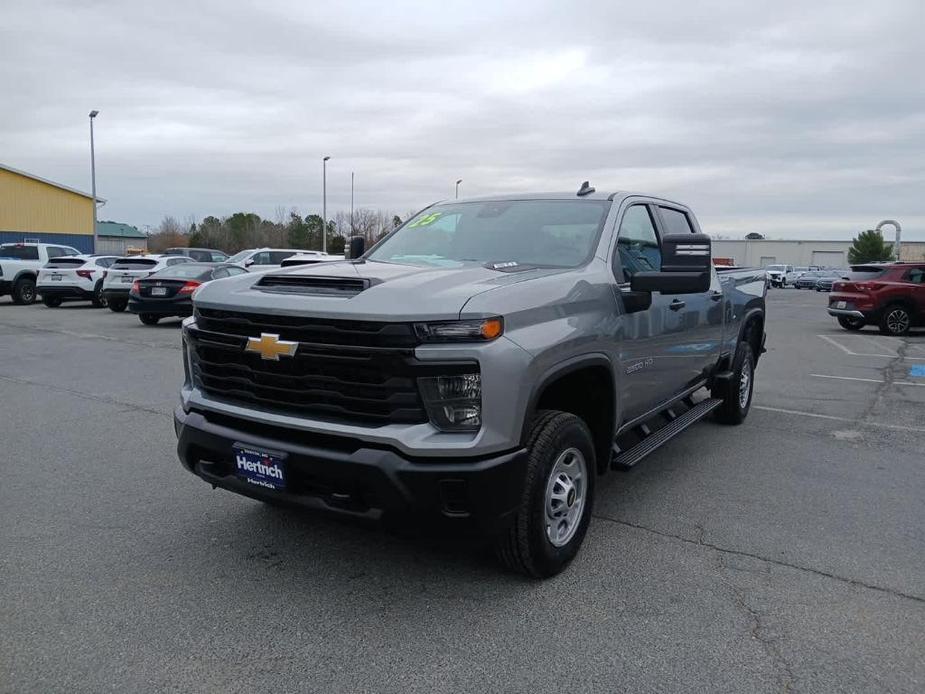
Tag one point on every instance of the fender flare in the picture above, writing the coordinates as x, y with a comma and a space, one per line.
563, 368
26, 273
751, 311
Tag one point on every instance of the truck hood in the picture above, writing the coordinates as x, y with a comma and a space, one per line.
395, 292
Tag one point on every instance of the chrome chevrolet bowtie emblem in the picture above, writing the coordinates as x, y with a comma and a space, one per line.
270, 347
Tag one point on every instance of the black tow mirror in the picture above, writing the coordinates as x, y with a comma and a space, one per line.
686, 264
357, 247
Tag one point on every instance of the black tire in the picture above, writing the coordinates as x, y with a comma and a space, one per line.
526, 546
51, 301
849, 323
99, 301
148, 318
733, 410
24, 291
117, 305
895, 320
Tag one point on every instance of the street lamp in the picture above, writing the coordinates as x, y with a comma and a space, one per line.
93, 114
324, 205
352, 232
457, 188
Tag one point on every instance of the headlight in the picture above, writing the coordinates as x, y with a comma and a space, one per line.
454, 403
479, 330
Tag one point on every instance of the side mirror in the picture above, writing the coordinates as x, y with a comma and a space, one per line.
357, 247
248, 262
686, 265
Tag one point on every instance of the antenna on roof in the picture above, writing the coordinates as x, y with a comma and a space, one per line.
585, 189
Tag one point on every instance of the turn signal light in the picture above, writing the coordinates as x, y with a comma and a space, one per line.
479, 330
189, 287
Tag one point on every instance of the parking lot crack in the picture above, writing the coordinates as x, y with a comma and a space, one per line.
89, 396
700, 542
887, 373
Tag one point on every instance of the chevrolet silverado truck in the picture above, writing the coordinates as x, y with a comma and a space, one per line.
481, 366
20, 264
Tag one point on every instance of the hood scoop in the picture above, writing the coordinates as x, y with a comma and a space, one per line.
313, 284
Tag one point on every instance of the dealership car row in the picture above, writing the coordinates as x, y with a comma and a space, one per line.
153, 286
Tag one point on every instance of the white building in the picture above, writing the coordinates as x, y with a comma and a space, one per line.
762, 252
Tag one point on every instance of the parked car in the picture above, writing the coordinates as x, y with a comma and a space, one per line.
262, 258
20, 264
310, 258
808, 279
829, 277
480, 367
781, 275
200, 255
117, 282
74, 278
888, 295
169, 292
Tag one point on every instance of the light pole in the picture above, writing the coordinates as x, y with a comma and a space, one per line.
457, 188
324, 205
93, 114
351, 204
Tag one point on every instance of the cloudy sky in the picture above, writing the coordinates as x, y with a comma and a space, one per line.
802, 119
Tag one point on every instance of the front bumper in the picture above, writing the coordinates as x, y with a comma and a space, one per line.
349, 477
161, 307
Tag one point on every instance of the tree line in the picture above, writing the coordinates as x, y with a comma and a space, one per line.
290, 229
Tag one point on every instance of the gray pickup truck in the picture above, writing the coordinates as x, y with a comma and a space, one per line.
480, 366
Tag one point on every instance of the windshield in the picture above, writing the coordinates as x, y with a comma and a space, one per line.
545, 233
238, 257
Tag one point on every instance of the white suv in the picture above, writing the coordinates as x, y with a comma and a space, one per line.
73, 277
121, 274
262, 258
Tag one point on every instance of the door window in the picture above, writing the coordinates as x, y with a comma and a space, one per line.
637, 243
916, 275
276, 257
221, 273
675, 221
262, 258
233, 270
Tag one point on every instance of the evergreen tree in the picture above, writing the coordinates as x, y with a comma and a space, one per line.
869, 247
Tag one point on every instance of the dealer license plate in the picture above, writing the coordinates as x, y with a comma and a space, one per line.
57, 278
127, 279
260, 467
158, 291
840, 304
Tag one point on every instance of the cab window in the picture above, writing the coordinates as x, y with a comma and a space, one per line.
638, 247
675, 221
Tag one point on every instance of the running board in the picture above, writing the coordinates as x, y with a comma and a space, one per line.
627, 459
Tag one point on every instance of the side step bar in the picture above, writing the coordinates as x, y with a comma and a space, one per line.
628, 458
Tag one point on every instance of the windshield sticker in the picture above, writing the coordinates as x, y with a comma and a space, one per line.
426, 220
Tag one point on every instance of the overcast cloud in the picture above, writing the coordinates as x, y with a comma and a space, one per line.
794, 119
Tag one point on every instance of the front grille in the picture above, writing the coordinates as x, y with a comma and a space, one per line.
343, 371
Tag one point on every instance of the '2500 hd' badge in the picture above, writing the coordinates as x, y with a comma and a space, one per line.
270, 347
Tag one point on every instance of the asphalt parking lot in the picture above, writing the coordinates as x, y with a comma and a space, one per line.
787, 554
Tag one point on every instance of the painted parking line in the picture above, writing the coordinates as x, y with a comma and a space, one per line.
816, 415
867, 380
880, 346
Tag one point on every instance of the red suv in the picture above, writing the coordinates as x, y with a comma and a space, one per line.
888, 295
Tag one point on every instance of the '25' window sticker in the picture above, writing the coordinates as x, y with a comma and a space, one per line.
426, 220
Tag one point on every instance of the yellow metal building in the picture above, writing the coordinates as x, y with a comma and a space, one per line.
34, 209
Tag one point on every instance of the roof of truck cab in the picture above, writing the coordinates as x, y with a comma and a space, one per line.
616, 196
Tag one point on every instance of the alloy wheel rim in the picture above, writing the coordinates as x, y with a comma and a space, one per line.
565, 496
897, 321
745, 381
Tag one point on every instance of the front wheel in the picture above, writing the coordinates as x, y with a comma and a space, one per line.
148, 318
737, 393
896, 320
51, 301
557, 497
849, 323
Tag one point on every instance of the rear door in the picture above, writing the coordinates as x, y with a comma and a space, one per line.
916, 277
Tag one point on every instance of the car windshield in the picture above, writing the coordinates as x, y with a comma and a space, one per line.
239, 257
544, 233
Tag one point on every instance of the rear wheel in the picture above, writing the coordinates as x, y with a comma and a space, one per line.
148, 318
99, 301
51, 301
850, 323
24, 291
737, 393
557, 497
117, 305
896, 320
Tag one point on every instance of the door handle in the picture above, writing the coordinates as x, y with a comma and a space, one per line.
716, 296
677, 305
